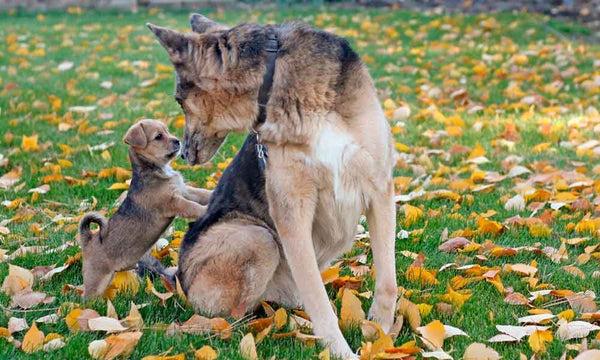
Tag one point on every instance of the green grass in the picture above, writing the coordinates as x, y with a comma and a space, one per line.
406, 52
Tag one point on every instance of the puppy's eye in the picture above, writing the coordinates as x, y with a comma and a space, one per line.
158, 137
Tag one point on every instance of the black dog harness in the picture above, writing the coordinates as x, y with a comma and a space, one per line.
272, 50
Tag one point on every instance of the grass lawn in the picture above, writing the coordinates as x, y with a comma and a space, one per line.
485, 93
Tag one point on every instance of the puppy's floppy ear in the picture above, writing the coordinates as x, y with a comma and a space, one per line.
136, 136
201, 24
177, 44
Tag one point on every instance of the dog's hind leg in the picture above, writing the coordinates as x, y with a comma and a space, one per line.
381, 216
228, 269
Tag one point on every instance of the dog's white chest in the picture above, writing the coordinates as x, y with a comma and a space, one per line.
333, 149
342, 197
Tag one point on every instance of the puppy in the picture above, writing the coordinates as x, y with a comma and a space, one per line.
157, 195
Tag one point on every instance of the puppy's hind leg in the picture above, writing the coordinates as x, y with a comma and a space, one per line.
96, 278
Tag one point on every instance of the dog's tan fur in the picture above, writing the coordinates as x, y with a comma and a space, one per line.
157, 195
330, 158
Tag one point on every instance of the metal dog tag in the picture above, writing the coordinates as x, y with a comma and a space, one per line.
261, 151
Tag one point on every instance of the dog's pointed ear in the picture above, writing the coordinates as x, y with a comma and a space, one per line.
201, 24
136, 136
176, 43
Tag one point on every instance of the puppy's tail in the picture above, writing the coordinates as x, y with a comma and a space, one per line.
85, 233
149, 265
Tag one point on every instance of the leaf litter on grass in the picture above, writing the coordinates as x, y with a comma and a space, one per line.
497, 182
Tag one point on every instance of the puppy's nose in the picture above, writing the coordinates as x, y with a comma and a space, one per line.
177, 143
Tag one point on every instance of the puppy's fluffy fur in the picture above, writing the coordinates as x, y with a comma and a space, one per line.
156, 196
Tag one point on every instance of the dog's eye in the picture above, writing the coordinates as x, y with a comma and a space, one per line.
158, 137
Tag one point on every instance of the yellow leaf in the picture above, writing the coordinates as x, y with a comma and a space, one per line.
539, 230
574, 271
330, 274
221, 326
30, 143
324, 355
412, 214
134, 319
168, 357
421, 275
121, 345
126, 281
162, 296
455, 298
409, 311
477, 151
164, 68
280, 318
379, 346
106, 155
351, 311
541, 147
424, 309
33, 340
52, 336
248, 347
119, 186
538, 340
205, 353
433, 334
568, 315
71, 320
489, 227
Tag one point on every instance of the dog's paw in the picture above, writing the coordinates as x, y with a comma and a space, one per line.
343, 352
382, 312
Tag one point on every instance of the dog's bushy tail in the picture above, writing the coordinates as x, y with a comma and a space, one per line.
85, 233
149, 265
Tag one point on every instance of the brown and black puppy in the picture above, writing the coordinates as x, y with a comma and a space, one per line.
156, 196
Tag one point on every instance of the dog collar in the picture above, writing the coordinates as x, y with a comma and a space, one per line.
264, 93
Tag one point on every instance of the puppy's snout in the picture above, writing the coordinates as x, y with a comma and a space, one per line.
176, 144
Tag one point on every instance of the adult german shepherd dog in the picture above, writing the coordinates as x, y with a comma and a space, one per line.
278, 217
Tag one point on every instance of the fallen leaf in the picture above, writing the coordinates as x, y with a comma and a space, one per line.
33, 340
16, 325
351, 311
121, 344
205, 353
409, 311
478, 351
248, 347
105, 323
574, 330
433, 334
538, 340
28, 299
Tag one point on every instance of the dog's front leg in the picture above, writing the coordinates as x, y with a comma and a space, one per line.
292, 202
201, 196
381, 217
185, 208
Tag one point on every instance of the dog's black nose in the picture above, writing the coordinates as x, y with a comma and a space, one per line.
176, 142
